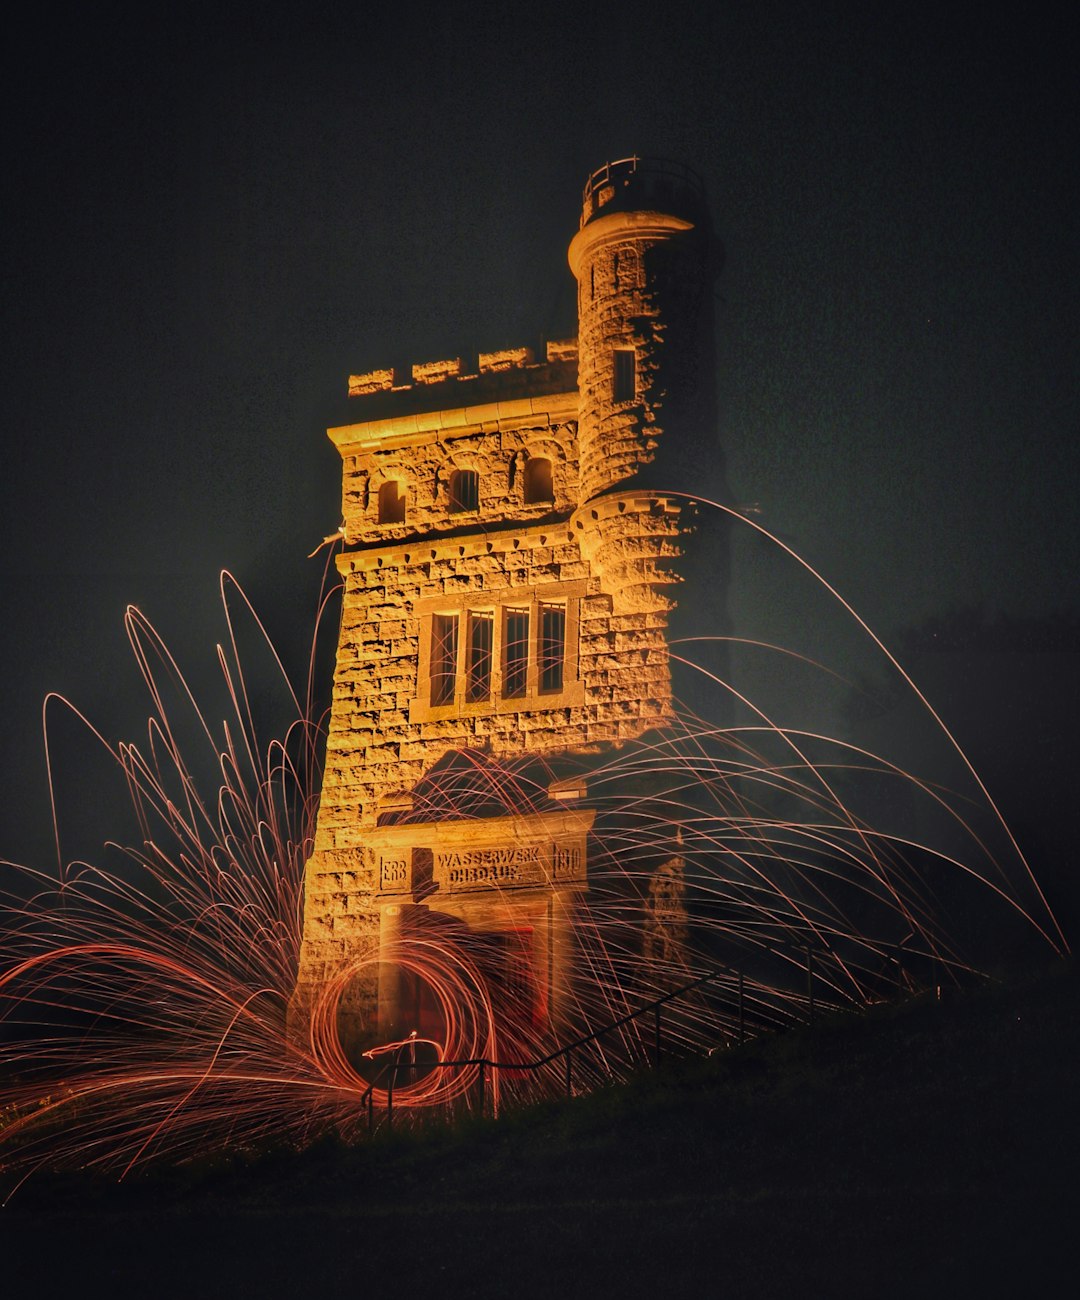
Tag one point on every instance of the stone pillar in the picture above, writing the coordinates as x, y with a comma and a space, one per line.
563, 906
390, 923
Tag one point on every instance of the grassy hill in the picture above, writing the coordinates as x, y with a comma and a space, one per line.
924, 1150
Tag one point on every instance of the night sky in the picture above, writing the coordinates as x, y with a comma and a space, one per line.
208, 228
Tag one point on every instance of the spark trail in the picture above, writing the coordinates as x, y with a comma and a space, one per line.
143, 1004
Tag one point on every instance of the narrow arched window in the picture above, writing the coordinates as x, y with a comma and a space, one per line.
464, 491
392, 502
539, 485
624, 378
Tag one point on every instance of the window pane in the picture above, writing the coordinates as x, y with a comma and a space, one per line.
464, 490
625, 381
478, 678
552, 646
516, 654
444, 635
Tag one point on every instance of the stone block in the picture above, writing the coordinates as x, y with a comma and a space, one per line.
435, 372
505, 359
373, 381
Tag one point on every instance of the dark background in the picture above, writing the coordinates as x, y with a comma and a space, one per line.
210, 222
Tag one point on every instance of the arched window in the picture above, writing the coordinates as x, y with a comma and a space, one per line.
624, 379
464, 491
392, 502
539, 485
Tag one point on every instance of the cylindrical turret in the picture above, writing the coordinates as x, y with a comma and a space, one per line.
644, 259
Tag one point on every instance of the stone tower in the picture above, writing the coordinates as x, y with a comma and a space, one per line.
509, 561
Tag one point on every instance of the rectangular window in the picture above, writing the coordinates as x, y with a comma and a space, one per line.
518, 654
552, 646
444, 639
478, 673
515, 654
624, 388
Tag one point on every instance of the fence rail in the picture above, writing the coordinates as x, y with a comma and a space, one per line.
486, 1066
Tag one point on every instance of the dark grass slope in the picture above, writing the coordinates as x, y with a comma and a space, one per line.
926, 1150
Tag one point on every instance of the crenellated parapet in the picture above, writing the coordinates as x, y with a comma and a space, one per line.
432, 382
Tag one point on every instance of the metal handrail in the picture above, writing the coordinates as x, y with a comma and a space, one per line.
624, 168
567, 1049
484, 1064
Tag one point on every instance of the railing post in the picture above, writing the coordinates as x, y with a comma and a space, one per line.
742, 1010
569, 1075
390, 1096
810, 981
656, 1035
481, 1081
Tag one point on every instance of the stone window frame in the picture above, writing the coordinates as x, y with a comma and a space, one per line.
572, 692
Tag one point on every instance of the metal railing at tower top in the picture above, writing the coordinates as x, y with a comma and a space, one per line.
652, 179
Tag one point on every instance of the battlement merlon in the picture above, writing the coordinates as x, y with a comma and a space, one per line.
458, 382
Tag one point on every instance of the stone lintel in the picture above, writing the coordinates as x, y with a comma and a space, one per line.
545, 850
507, 537
398, 431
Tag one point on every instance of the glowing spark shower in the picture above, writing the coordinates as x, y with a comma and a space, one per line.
144, 1001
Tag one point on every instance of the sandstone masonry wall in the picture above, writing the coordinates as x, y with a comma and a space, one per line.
476, 494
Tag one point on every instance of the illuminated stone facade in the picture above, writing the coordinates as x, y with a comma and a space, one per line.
509, 563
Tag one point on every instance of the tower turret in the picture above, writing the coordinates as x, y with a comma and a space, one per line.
644, 258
